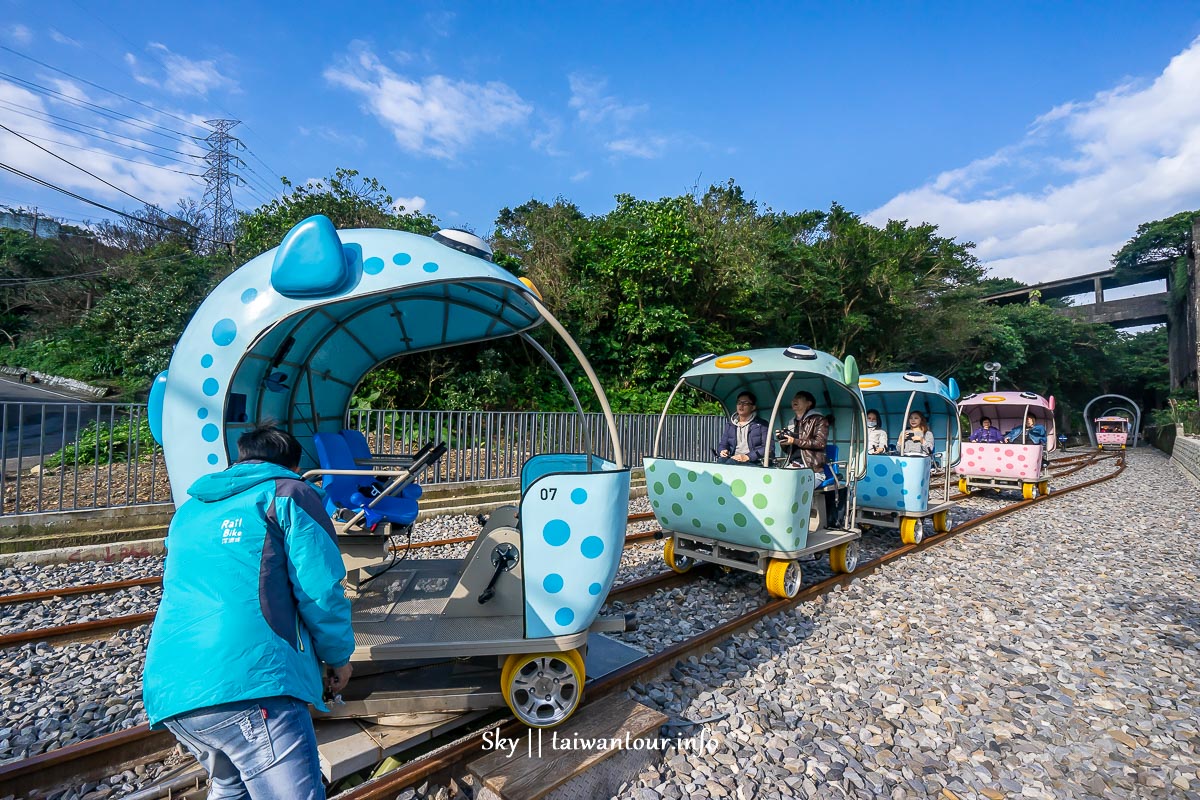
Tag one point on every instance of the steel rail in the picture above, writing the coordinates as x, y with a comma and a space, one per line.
98, 755
386, 786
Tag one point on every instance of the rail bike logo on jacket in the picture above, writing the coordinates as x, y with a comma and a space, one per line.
231, 531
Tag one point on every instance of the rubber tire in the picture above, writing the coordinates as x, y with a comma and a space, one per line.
776, 578
1028, 490
837, 558
941, 521
669, 556
1043, 487
962, 487
912, 530
515, 661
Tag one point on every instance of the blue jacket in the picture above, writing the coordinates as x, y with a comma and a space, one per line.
252, 597
757, 438
1034, 435
992, 435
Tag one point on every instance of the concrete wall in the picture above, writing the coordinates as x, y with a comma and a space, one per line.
1186, 456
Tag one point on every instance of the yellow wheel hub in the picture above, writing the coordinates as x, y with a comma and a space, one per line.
962, 486
783, 578
543, 689
941, 521
912, 531
1029, 490
1043, 487
681, 564
843, 558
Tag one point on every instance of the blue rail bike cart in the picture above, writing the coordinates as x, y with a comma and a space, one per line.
896, 491
761, 517
289, 336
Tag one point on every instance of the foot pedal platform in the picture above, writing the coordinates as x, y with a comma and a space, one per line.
590, 755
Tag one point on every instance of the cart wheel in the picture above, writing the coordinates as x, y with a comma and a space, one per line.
962, 486
1029, 490
783, 578
542, 689
677, 563
1043, 487
941, 521
843, 558
912, 531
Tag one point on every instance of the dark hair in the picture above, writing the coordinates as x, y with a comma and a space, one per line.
871, 411
812, 401
984, 419
749, 394
265, 442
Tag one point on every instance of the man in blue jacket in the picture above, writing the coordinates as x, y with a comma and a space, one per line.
744, 440
252, 604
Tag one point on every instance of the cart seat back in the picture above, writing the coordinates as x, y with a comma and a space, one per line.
344, 492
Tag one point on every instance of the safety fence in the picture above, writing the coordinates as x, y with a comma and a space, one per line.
77, 456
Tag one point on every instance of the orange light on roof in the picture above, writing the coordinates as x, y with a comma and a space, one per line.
732, 362
994, 398
867, 383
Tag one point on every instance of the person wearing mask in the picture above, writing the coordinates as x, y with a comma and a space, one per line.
917, 439
807, 436
877, 438
744, 440
252, 606
986, 433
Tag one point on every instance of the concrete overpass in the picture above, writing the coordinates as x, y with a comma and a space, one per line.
1182, 320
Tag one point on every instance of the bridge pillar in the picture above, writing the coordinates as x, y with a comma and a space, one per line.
1184, 322
1099, 289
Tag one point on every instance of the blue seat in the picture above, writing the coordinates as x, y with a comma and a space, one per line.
357, 442
345, 491
831, 470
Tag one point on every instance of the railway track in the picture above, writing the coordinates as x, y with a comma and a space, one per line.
110, 754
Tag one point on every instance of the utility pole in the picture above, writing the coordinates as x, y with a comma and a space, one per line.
219, 178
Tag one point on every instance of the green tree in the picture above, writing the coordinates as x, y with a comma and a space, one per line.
348, 200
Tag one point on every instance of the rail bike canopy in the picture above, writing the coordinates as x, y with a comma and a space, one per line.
774, 375
896, 394
289, 335
1008, 410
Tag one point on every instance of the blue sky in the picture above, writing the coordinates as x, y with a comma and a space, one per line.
1044, 132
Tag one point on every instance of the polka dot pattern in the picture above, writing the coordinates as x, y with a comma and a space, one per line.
573, 523
895, 483
745, 505
989, 460
224, 332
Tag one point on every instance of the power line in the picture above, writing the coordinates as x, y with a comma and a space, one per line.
21, 174
88, 172
101, 88
219, 177
106, 153
15, 106
102, 110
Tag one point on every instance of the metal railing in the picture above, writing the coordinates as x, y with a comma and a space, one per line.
74, 456
492, 445
77, 456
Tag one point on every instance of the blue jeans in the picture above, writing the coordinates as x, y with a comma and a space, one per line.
263, 749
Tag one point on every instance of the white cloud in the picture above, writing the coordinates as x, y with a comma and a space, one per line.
18, 34
144, 180
593, 106
62, 38
582, 175
408, 205
639, 147
437, 115
547, 139
340, 138
181, 75
1102, 166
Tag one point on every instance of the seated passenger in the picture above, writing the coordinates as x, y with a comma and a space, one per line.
917, 439
986, 433
1033, 432
745, 437
877, 438
807, 435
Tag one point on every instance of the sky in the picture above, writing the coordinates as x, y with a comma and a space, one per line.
1043, 132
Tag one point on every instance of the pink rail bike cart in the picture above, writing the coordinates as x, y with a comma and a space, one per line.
1112, 432
1015, 464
